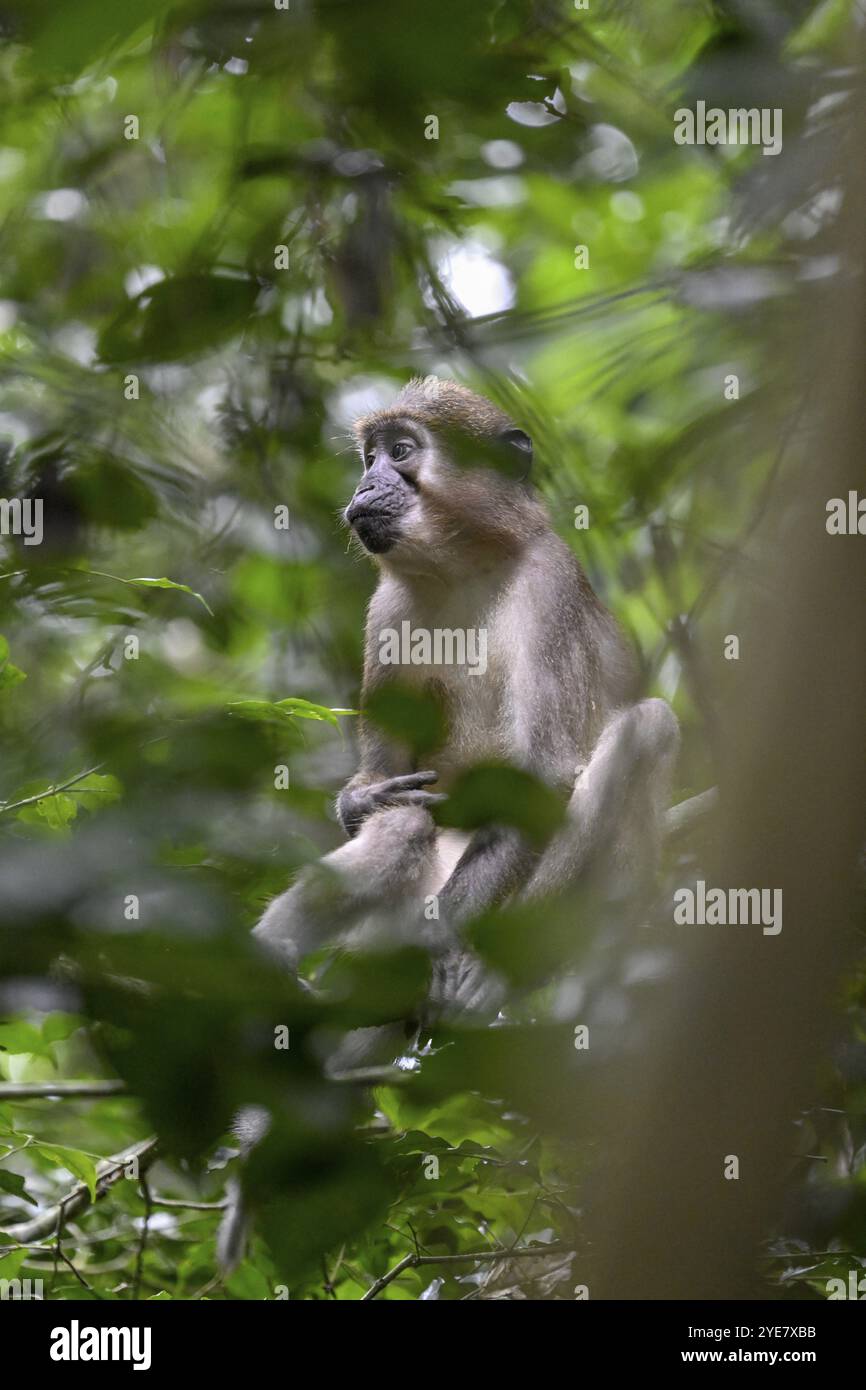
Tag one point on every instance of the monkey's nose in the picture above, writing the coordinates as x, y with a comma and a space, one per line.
357, 503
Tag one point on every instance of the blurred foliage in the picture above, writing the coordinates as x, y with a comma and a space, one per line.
225, 231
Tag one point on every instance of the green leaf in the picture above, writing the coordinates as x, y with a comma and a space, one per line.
56, 810
278, 711
58, 1027
11, 1263
415, 718
180, 317
111, 493
496, 794
79, 1163
14, 1183
247, 1282
145, 583
96, 790
21, 1037
9, 675
826, 23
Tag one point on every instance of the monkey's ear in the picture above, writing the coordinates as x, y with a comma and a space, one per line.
519, 441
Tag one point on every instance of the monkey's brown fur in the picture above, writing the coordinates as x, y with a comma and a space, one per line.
440, 404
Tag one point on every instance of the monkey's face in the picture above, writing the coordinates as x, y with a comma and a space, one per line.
427, 493
387, 497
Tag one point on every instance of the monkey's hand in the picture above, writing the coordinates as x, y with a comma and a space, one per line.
356, 803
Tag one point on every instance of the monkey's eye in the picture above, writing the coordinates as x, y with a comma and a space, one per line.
401, 450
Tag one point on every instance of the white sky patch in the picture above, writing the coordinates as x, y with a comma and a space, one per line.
530, 113
141, 278
78, 341
502, 154
311, 309
60, 205
182, 645
16, 430
236, 65
477, 280
166, 378
163, 1222
581, 74
628, 207
359, 398
11, 161
611, 155
106, 87
210, 399
503, 192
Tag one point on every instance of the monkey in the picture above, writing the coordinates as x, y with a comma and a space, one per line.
446, 510
462, 542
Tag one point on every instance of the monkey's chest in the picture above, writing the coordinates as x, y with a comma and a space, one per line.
475, 717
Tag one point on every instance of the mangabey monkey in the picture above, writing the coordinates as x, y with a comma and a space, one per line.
463, 543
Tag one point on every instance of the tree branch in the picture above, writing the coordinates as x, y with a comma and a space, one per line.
49, 791
65, 1090
683, 816
413, 1261
109, 1171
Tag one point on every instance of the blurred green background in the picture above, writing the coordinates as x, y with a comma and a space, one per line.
225, 231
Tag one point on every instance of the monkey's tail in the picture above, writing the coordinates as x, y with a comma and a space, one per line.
250, 1125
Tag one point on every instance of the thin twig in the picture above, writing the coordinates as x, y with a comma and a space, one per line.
79, 1276
142, 1244
65, 1090
371, 1076
413, 1261
49, 791
327, 1284
189, 1206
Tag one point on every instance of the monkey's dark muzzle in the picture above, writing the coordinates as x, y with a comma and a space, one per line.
376, 528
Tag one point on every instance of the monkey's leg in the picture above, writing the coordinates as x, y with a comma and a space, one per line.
492, 868
612, 833
387, 862
615, 813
